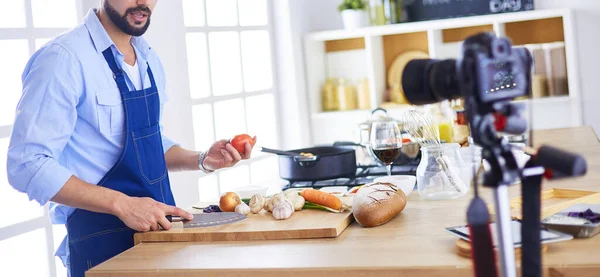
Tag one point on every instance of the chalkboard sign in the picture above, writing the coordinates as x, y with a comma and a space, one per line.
419, 10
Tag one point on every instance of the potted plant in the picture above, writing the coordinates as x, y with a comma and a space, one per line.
354, 13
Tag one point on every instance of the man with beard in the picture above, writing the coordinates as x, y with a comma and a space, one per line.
87, 135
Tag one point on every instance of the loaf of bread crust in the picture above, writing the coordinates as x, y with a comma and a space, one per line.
377, 203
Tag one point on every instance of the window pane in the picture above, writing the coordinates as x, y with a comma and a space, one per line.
225, 62
54, 14
264, 171
13, 200
253, 12
197, 57
208, 187
25, 254
12, 14
14, 55
230, 119
61, 270
193, 13
59, 231
256, 58
235, 177
221, 12
204, 135
260, 112
39, 42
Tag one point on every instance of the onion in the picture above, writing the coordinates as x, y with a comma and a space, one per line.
229, 201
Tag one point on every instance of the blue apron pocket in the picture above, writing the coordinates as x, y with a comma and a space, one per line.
151, 158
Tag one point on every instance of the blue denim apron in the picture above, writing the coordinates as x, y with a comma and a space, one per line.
140, 171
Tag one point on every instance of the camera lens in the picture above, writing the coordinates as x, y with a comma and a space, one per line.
426, 81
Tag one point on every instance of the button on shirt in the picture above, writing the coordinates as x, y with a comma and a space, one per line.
70, 119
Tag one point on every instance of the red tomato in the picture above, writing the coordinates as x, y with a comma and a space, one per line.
239, 142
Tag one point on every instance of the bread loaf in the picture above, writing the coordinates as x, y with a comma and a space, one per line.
377, 203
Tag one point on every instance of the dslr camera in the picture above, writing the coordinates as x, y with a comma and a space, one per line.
488, 75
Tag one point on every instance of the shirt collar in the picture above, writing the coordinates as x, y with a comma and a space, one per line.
102, 40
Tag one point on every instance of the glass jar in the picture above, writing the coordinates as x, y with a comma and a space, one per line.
442, 173
346, 95
363, 95
329, 95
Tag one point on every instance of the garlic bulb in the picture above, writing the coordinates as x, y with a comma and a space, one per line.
242, 208
278, 196
270, 202
297, 201
291, 193
282, 209
266, 204
256, 203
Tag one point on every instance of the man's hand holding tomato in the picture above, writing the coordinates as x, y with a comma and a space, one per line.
224, 153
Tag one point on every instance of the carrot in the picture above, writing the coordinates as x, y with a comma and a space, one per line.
322, 198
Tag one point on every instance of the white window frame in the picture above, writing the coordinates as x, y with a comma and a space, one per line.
32, 33
206, 29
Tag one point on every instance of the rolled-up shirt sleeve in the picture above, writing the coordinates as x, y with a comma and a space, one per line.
44, 122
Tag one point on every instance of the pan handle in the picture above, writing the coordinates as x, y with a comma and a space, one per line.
278, 152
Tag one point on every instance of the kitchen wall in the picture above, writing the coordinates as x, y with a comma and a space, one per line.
317, 15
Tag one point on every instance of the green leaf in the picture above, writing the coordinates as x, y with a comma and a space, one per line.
310, 205
352, 5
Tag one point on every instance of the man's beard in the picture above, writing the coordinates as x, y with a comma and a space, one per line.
121, 20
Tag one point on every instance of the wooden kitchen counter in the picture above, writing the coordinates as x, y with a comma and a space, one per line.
412, 244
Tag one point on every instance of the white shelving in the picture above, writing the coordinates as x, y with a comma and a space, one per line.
368, 51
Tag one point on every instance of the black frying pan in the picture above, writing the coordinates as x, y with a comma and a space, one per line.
326, 162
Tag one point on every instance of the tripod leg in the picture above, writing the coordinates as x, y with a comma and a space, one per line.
531, 263
482, 249
504, 232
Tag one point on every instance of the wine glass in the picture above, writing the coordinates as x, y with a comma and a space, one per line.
386, 142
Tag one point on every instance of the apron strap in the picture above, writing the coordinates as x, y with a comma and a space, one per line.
118, 73
152, 82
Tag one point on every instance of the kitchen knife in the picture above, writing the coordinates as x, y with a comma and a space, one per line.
208, 219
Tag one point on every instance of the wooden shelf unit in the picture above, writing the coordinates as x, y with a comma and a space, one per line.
368, 52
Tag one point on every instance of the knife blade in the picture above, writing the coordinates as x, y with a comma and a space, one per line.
208, 219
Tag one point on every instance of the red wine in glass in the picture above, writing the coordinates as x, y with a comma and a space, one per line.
386, 142
387, 155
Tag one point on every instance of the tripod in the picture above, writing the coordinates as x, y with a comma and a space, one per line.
504, 171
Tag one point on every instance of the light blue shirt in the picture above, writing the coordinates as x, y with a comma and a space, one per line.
70, 119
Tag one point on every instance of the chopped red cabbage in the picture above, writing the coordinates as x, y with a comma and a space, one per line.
588, 214
212, 209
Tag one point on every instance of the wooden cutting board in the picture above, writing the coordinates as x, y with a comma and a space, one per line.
261, 226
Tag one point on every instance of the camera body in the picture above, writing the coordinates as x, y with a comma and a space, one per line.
501, 71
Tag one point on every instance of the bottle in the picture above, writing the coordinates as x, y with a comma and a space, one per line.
442, 114
461, 129
377, 12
